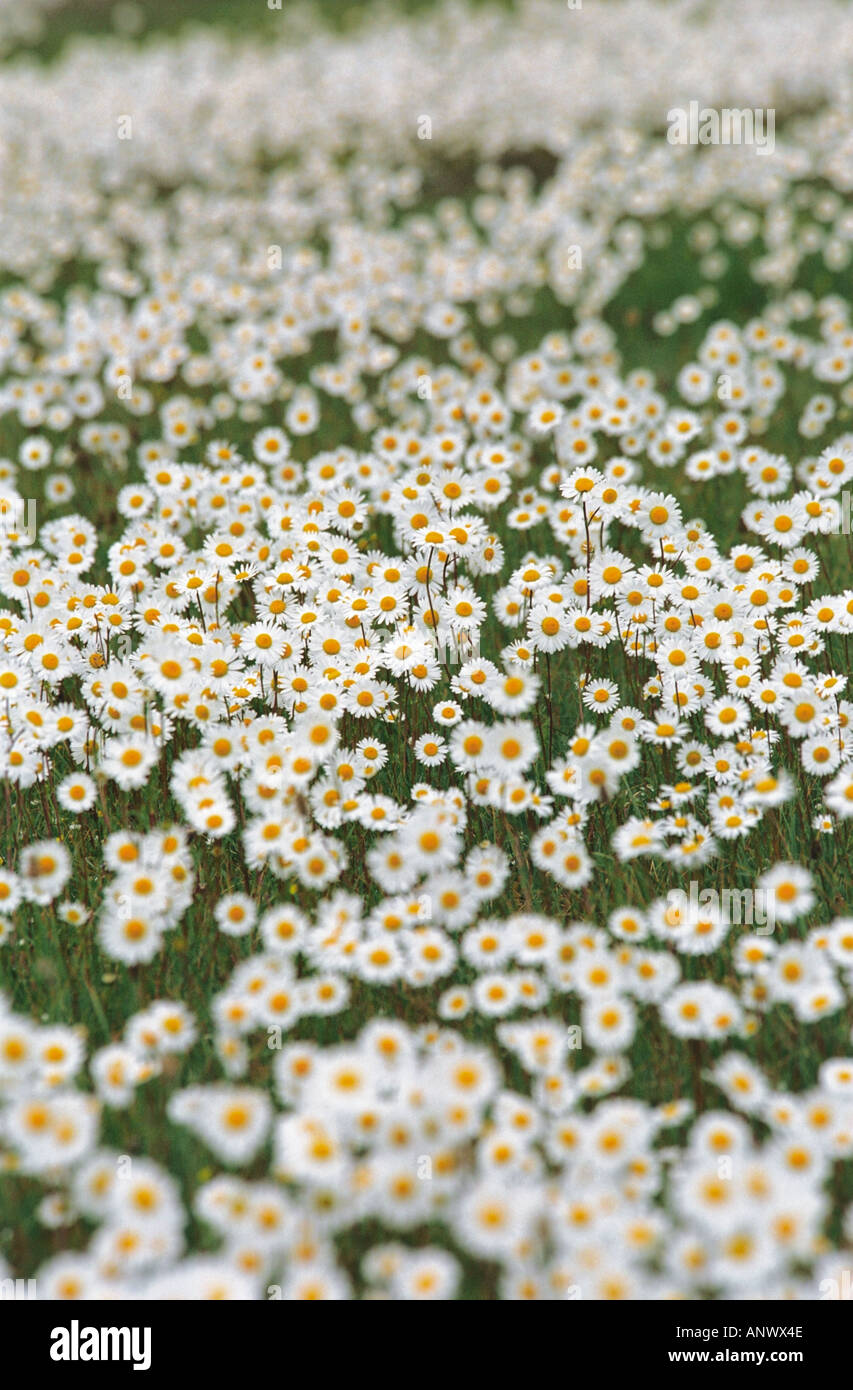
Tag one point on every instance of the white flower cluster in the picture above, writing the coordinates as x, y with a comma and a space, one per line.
392, 637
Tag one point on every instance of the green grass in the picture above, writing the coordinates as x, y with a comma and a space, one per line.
83, 19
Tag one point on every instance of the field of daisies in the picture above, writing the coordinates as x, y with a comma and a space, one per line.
425, 605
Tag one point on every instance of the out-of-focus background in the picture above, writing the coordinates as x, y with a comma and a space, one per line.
45, 27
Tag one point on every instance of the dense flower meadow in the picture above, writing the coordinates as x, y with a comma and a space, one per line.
426, 590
